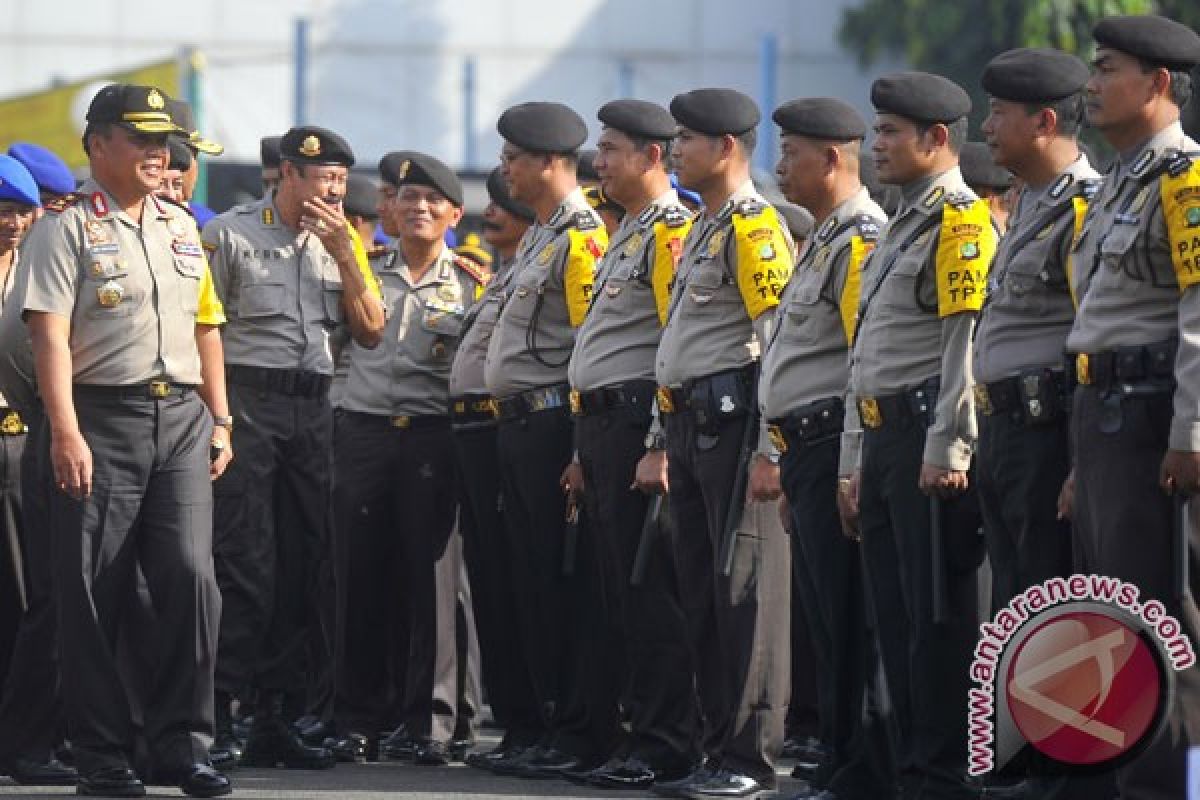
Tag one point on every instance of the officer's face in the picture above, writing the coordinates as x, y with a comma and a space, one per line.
620, 164
389, 213
697, 158
1118, 90
310, 181
900, 152
502, 229
1010, 132
126, 161
425, 214
173, 186
522, 172
15, 219
802, 169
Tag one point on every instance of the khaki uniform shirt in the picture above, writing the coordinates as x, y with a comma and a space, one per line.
466, 372
552, 285
918, 310
7, 294
1136, 268
620, 333
409, 372
1029, 308
133, 290
282, 290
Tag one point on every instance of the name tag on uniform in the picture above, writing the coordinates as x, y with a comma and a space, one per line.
104, 249
185, 248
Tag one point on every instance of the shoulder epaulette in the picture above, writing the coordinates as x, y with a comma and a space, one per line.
750, 207
1177, 162
1089, 187
468, 266
61, 204
674, 217
960, 199
176, 204
582, 220
868, 227
245, 208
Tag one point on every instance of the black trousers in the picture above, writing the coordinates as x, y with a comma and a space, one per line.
926, 663
151, 505
270, 539
737, 626
646, 654
12, 567
1020, 469
394, 502
487, 549
1124, 524
31, 706
827, 571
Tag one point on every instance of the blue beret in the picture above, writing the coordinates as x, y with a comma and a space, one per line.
49, 171
16, 183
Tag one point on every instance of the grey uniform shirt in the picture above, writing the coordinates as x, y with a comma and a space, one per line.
1029, 310
466, 372
1125, 279
901, 340
17, 380
555, 264
281, 289
619, 336
807, 357
409, 372
92, 251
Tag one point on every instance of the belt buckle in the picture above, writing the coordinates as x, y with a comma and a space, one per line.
159, 389
1083, 370
576, 403
778, 440
460, 407
12, 425
492, 407
983, 401
402, 421
868, 411
665, 404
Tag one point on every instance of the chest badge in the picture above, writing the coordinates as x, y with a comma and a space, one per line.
547, 253
715, 243
634, 246
110, 294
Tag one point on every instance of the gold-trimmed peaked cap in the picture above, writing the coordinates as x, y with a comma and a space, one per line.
142, 109
309, 144
182, 116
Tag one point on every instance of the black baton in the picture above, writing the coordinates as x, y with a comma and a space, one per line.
941, 612
1179, 547
649, 528
737, 502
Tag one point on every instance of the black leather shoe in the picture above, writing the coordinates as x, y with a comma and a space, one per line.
399, 745
514, 763
196, 780
813, 793
313, 731
458, 748
489, 759
549, 763
728, 783
272, 743
226, 751
630, 773
432, 753
111, 782
674, 788
51, 772
349, 749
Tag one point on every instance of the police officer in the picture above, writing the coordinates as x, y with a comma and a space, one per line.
735, 263
909, 371
486, 546
992, 182
611, 372
290, 270
394, 490
1134, 441
526, 373
51, 173
804, 379
124, 322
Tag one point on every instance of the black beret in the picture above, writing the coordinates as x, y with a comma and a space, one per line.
799, 220
181, 157
920, 96
497, 189
543, 128
821, 118
1034, 75
139, 108
361, 198
715, 111
585, 170
1157, 40
268, 151
181, 115
308, 144
638, 118
409, 166
978, 168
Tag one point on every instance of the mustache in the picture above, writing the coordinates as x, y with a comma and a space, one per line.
490, 226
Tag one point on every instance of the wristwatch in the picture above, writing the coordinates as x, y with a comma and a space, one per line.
655, 441
224, 422
772, 457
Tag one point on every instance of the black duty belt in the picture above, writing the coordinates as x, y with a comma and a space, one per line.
638, 394
807, 424
673, 400
1033, 396
403, 422
294, 382
523, 404
917, 403
11, 423
472, 409
154, 390
1136, 364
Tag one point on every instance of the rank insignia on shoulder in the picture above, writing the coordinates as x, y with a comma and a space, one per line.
674, 217
585, 221
1060, 185
750, 207
960, 199
268, 216
61, 204
1144, 161
934, 196
477, 273
868, 228
647, 216
1178, 162
1090, 188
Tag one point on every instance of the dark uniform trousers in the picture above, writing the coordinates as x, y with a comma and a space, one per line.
737, 626
151, 504
557, 612
487, 550
394, 501
827, 573
926, 663
31, 708
646, 650
1124, 524
272, 508
11, 560
1020, 469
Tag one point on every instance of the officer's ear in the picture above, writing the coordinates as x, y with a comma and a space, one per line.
935, 136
